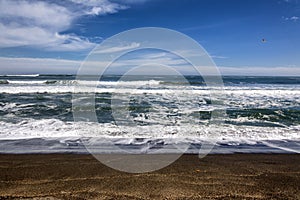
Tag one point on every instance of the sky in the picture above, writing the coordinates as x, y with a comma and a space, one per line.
54, 37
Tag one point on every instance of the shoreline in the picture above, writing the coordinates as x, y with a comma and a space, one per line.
217, 176
184, 154
75, 145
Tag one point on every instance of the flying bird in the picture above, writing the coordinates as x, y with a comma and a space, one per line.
264, 40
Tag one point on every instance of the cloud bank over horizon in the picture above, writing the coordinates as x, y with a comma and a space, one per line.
63, 66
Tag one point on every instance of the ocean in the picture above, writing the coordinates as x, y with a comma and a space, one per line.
262, 115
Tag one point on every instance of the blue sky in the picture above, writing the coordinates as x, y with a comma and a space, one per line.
55, 36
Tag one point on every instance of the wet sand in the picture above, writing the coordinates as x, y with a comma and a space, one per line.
71, 176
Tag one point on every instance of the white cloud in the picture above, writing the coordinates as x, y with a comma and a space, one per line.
123, 47
13, 36
41, 23
293, 18
99, 7
38, 13
218, 57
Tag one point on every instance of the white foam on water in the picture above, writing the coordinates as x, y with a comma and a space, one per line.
191, 98
155, 88
57, 128
25, 82
48, 135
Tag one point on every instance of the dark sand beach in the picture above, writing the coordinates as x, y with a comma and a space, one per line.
71, 176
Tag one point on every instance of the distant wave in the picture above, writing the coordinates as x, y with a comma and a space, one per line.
25, 82
77, 82
134, 87
4, 82
104, 83
21, 75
